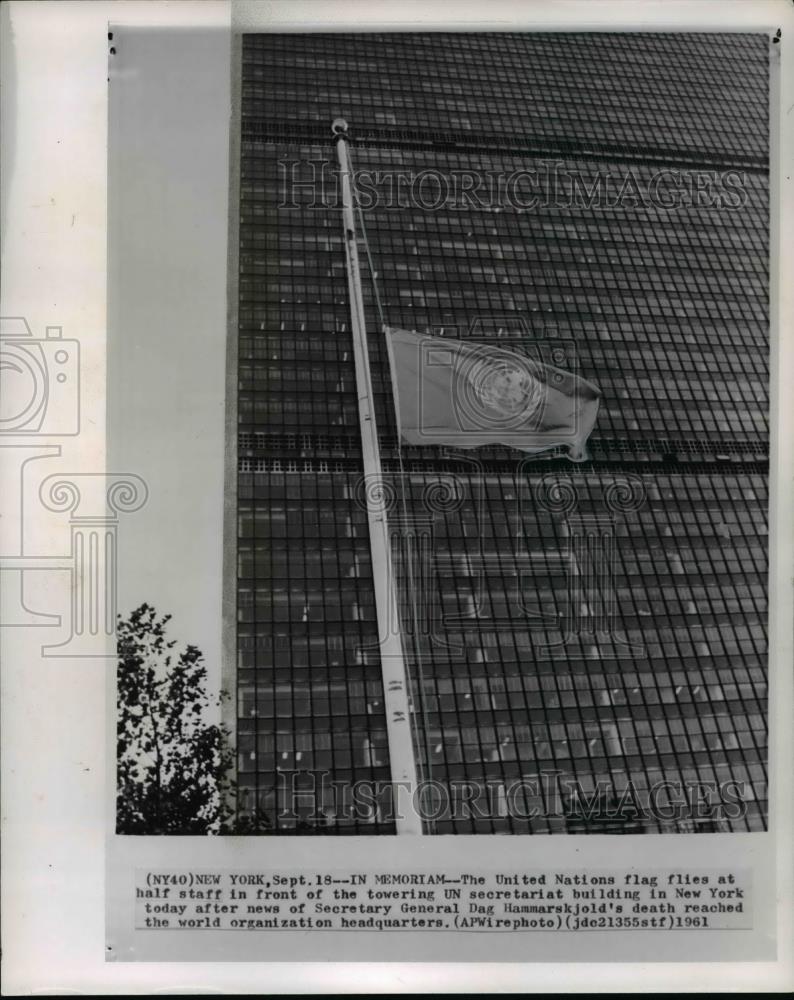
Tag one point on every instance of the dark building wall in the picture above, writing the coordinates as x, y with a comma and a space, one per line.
643, 263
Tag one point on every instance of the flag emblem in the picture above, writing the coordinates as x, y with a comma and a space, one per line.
508, 389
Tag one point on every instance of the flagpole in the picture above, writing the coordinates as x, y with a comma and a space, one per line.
395, 679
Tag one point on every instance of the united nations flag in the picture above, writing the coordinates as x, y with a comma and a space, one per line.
449, 392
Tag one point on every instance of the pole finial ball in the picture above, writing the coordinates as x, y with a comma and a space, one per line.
338, 126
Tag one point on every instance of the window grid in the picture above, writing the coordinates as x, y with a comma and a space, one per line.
666, 311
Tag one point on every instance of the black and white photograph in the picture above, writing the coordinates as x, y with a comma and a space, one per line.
497, 449
398, 467
502, 432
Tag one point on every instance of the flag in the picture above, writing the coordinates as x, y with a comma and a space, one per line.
463, 395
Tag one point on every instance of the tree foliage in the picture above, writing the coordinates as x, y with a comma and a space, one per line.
173, 765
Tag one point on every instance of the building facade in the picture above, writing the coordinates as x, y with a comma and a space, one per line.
586, 643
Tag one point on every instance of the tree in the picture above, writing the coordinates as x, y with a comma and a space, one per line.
173, 766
